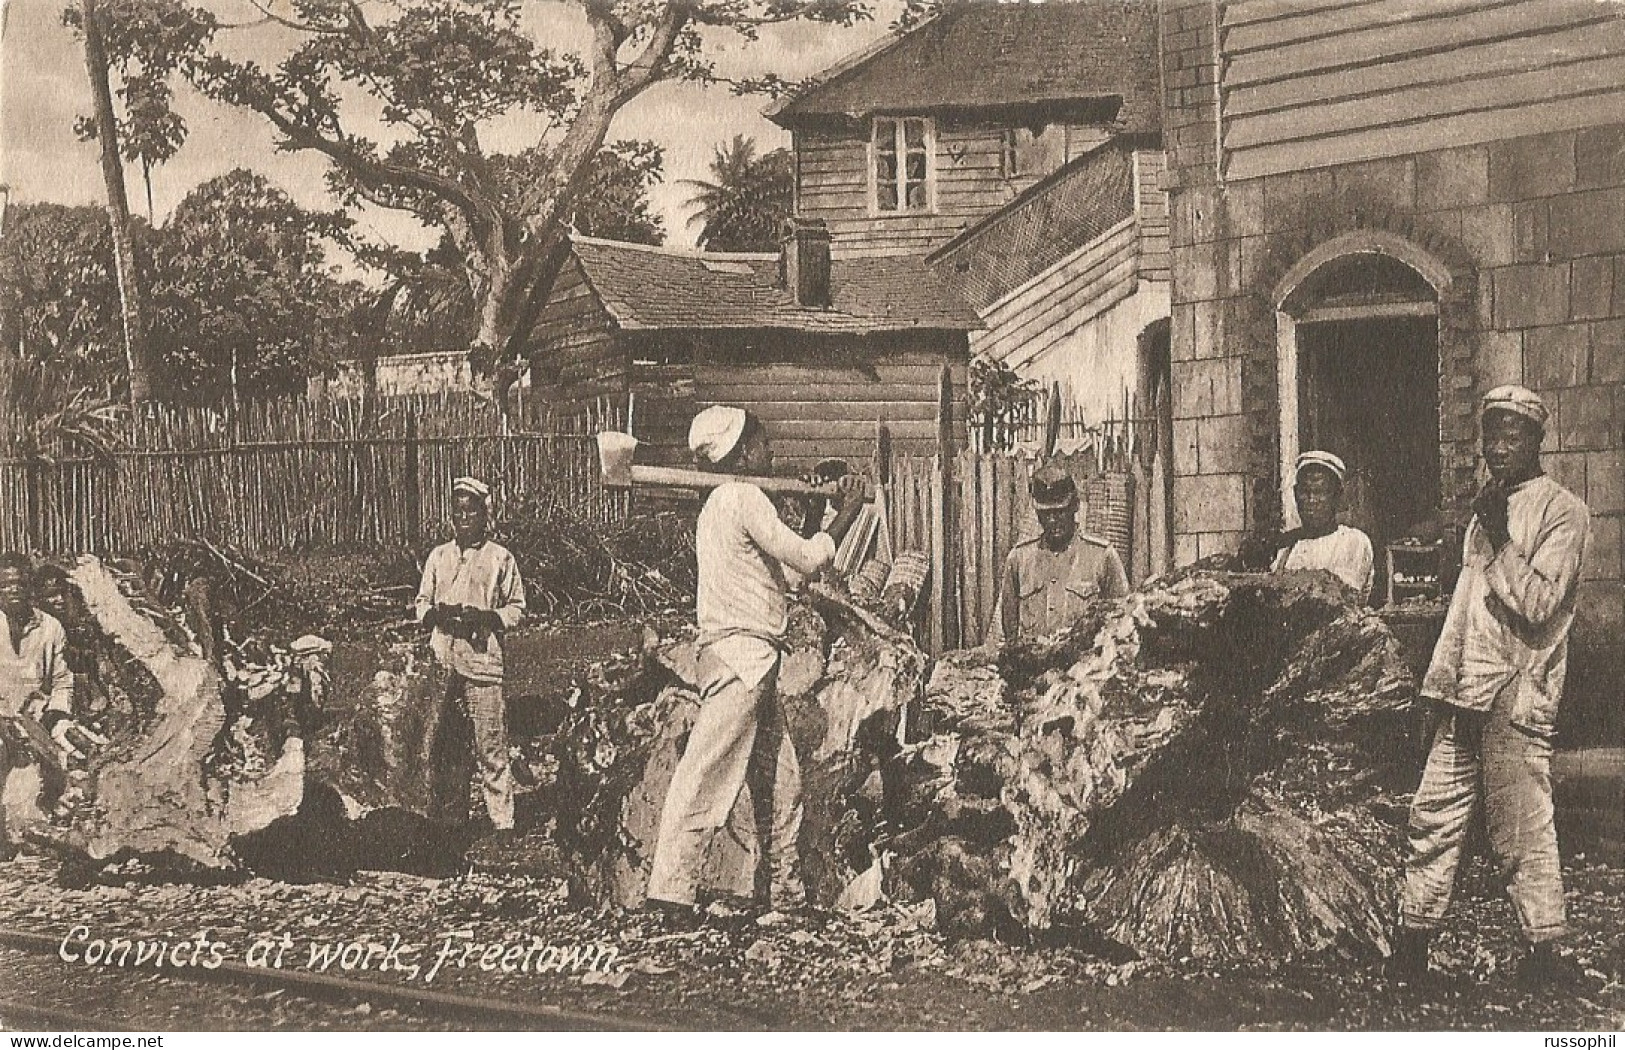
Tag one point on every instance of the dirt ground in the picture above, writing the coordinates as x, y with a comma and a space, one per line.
886, 970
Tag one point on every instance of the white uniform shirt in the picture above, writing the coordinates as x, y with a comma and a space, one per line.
1510, 614
1344, 552
37, 665
486, 577
748, 561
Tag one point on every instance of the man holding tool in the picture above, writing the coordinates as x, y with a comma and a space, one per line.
470, 596
748, 562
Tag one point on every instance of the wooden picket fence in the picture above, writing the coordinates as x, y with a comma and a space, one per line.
302, 473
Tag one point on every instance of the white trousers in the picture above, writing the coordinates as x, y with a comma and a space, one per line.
740, 735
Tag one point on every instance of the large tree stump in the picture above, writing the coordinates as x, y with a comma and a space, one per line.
844, 684
1199, 770
191, 763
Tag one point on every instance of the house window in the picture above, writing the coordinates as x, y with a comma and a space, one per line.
902, 149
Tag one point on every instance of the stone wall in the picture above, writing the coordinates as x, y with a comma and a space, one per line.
1532, 233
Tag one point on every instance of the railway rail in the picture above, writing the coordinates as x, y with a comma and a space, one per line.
495, 1013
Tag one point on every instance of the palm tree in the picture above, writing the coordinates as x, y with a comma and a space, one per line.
741, 210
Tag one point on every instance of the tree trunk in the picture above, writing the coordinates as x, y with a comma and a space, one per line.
142, 370
192, 762
1207, 769
390, 777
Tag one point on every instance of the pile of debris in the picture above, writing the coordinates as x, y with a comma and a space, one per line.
196, 754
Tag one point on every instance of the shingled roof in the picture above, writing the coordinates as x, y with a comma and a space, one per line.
1002, 56
646, 288
1048, 221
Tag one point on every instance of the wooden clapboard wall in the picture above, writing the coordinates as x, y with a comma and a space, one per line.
833, 184
1086, 283
814, 411
580, 352
1313, 83
1151, 204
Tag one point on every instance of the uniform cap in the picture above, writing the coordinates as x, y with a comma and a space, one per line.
1053, 488
715, 431
471, 486
1324, 460
1518, 400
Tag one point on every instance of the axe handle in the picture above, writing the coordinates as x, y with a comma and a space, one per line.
39, 741
679, 477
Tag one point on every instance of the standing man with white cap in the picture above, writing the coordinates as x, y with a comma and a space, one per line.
1320, 542
471, 594
1494, 683
748, 561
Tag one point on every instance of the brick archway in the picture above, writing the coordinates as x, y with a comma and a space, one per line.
1305, 294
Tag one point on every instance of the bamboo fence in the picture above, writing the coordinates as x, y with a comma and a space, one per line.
298, 474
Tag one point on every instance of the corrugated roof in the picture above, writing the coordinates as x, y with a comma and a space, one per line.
992, 55
1050, 220
662, 288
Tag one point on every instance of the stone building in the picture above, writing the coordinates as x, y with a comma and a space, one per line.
1379, 211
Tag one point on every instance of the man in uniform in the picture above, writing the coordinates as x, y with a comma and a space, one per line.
1494, 686
470, 596
34, 682
1048, 580
748, 560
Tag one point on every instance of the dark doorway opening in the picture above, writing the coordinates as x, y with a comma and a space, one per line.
1368, 390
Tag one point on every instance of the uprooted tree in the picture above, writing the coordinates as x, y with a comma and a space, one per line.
1205, 769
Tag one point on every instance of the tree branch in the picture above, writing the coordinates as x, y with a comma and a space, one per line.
643, 69
272, 16
377, 170
799, 11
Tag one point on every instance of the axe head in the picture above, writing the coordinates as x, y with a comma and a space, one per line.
615, 451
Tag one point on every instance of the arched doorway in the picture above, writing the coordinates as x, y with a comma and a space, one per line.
1358, 369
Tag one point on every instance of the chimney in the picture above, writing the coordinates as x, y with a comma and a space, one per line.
804, 261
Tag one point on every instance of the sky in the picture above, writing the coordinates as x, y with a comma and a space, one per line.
43, 89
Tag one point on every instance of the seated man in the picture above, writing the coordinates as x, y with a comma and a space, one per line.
1320, 542
36, 695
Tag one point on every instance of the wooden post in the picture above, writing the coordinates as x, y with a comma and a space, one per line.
414, 494
944, 589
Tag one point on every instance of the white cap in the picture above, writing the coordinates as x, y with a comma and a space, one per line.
1324, 460
715, 431
1518, 400
472, 486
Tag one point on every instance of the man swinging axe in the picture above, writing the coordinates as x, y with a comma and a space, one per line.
748, 561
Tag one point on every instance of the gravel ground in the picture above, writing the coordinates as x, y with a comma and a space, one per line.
884, 970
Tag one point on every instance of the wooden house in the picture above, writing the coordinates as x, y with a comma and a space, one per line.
903, 146
1380, 210
1071, 276
822, 349
1020, 147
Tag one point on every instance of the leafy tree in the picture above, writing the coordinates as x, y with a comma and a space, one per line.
59, 303
615, 203
244, 301
749, 198
440, 71
999, 401
145, 44
137, 351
